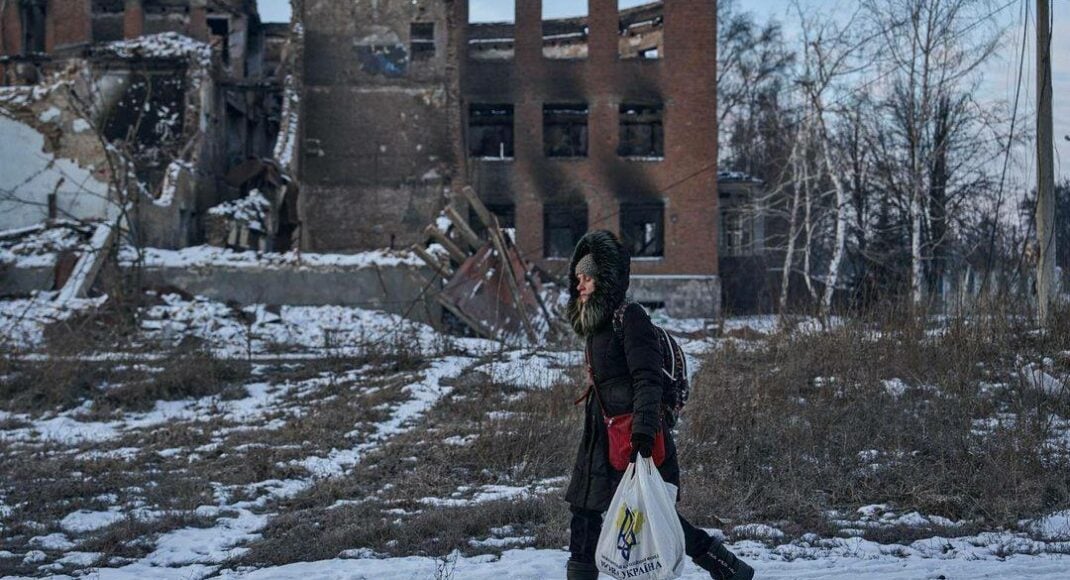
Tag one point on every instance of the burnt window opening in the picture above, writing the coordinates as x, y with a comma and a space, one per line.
642, 26
422, 40
219, 27
491, 29
108, 6
108, 20
642, 131
504, 211
642, 227
562, 227
565, 30
564, 130
34, 18
490, 131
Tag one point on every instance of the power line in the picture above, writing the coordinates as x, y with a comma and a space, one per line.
1010, 143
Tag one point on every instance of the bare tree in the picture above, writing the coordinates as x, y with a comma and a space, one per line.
752, 66
832, 55
930, 51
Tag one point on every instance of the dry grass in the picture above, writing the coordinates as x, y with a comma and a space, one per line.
533, 440
785, 430
66, 380
780, 429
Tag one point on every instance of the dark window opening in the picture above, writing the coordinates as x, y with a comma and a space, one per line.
565, 29
422, 40
220, 28
563, 226
737, 233
491, 29
642, 227
34, 18
490, 131
642, 26
642, 131
564, 130
110, 6
505, 212
107, 20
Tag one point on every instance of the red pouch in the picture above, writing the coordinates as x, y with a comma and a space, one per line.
620, 442
620, 428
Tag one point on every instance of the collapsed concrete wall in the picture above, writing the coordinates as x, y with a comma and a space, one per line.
54, 166
380, 280
129, 126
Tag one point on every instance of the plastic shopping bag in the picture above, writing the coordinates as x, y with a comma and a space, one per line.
641, 535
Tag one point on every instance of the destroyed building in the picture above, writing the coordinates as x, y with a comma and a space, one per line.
185, 92
602, 120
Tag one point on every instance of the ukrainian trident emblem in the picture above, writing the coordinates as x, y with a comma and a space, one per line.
629, 523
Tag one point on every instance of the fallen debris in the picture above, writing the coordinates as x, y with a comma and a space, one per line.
488, 285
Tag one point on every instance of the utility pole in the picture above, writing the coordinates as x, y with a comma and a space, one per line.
1045, 216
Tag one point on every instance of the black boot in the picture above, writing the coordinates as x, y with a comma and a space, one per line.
723, 565
581, 570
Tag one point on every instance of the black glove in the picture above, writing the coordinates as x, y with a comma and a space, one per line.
642, 445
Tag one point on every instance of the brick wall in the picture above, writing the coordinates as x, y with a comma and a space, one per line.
70, 24
683, 80
361, 128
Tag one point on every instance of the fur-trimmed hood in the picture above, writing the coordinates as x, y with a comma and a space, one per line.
610, 282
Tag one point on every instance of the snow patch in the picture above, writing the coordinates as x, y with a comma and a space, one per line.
49, 115
83, 521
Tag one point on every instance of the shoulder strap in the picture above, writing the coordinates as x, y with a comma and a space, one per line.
618, 320
590, 377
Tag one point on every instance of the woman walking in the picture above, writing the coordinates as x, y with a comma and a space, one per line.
625, 369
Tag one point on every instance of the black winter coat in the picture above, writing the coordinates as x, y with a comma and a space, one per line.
627, 374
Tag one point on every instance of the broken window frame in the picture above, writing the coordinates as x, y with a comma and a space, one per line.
482, 117
563, 224
567, 124
642, 228
653, 24
579, 21
493, 45
422, 40
644, 147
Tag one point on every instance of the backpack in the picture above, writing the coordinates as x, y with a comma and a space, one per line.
677, 388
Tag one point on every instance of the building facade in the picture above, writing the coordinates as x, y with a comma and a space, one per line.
601, 121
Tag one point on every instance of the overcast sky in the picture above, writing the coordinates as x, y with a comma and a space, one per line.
1000, 76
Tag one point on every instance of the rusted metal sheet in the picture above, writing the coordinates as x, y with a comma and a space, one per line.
480, 294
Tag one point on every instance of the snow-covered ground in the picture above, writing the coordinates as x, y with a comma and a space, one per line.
398, 402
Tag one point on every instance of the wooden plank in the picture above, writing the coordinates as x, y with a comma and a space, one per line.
488, 219
433, 262
89, 264
464, 229
439, 236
